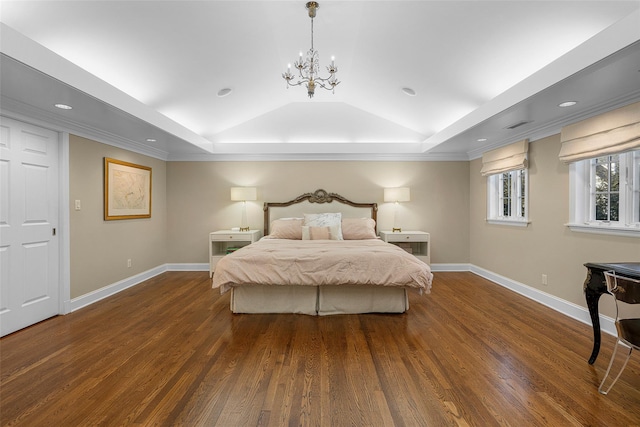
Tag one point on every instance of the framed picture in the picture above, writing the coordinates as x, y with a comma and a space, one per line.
127, 190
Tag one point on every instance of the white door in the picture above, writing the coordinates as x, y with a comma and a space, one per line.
29, 250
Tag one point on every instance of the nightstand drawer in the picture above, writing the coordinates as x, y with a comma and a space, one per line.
230, 237
406, 236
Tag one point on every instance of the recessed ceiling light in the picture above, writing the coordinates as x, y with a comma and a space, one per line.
63, 106
482, 139
224, 92
151, 140
567, 104
409, 91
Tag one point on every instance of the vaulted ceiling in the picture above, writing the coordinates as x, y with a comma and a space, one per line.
139, 70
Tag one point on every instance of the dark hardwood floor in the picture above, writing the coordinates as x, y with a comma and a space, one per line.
168, 352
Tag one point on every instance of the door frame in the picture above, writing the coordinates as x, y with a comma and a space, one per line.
65, 239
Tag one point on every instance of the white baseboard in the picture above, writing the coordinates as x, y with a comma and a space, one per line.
562, 306
188, 267
450, 267
565, 307
107, 291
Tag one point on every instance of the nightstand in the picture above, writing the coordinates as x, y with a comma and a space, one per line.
224, 242
414, 242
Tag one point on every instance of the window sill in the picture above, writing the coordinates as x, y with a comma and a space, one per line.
510, 222
612, 230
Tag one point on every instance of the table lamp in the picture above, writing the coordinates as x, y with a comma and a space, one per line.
242, 194
395, 195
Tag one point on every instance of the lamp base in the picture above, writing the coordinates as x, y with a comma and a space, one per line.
398, 230
244, 228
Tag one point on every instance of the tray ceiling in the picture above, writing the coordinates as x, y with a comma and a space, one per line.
141, 70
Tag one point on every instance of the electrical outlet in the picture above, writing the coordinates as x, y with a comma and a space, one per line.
129, 263
544, 280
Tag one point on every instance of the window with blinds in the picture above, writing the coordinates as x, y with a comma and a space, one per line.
507, 187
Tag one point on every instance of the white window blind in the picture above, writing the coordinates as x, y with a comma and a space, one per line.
614, 132
505, 159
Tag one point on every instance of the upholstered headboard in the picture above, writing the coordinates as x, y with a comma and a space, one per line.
314, 203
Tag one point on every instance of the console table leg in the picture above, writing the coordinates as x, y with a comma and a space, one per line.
592, 298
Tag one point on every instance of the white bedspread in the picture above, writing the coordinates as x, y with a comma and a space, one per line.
322, 262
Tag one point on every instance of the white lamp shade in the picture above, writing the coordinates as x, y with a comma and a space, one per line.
241, 194
401, 194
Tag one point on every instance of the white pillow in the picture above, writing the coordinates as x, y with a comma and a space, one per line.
326, 220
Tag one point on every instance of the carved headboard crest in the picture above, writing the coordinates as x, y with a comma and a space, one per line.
318, 196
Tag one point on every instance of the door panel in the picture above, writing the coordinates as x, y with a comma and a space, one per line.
29, 250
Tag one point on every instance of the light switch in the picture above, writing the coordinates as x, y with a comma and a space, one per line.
77, 205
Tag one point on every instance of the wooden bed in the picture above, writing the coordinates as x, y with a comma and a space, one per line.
266, 289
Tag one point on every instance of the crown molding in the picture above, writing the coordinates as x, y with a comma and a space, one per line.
554, 127
25, 112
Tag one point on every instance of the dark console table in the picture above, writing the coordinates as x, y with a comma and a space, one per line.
595, 285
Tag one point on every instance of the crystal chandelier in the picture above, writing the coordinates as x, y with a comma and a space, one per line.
309, 69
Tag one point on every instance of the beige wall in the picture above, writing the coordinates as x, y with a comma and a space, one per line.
100, 249
198, 198
448, 199
546, 246
190, 199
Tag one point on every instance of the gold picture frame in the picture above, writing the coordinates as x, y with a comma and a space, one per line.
127, 190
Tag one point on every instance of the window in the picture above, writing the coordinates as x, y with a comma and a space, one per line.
507, 198
605, 194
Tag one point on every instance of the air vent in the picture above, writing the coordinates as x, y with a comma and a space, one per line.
517, 125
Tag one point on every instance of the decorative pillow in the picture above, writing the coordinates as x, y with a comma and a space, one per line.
325, 220
358, 228
289, 228
319, 233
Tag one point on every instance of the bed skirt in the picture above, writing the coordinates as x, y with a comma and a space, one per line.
318, 300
